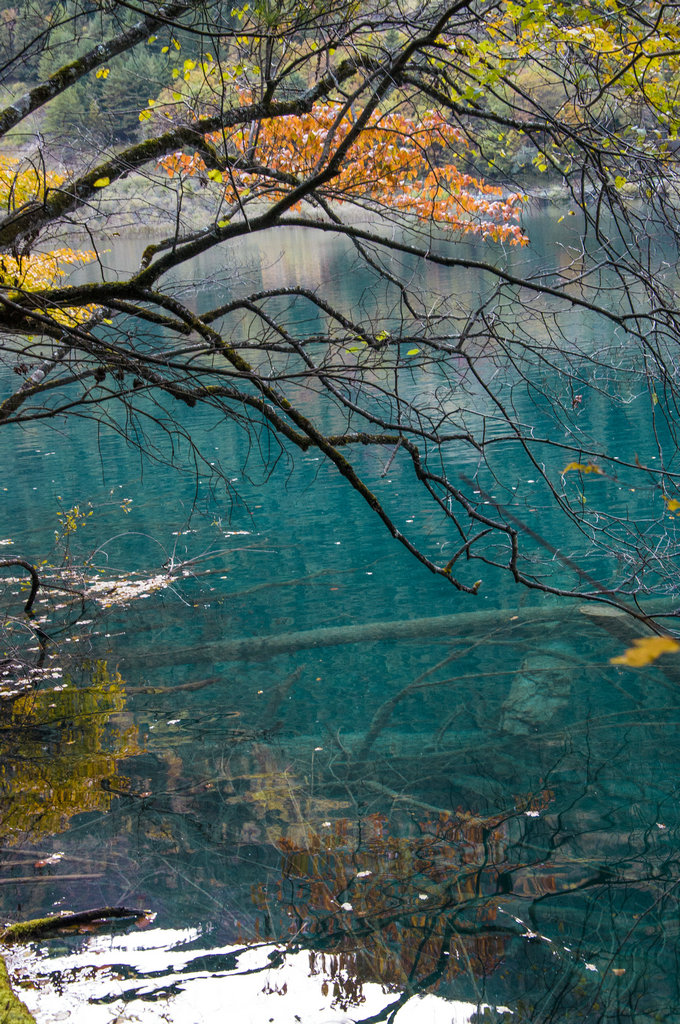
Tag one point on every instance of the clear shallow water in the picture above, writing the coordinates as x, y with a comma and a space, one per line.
342, 788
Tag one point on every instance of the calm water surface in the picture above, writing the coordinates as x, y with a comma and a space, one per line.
345, 791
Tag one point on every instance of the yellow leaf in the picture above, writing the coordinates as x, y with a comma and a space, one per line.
102, 182
103, 73
215, 175
646, 650
580, 467
671, 504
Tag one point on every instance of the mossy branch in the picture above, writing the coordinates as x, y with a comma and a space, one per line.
33, 217
39, 927
70, 73
12, 1010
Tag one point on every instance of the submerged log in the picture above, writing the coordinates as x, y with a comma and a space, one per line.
439, 626
447, 627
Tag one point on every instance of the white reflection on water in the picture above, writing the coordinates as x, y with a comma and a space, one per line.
157, 977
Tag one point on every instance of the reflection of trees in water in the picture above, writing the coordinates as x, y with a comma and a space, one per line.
397, 901
548, 907
537, 871
60, 751
504, 909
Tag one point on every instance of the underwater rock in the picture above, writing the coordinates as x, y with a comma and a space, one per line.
540, 690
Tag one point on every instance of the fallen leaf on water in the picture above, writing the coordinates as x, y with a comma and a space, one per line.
54, 858
146, 920
646, 649
581, 467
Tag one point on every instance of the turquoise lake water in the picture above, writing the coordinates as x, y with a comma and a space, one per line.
346, 791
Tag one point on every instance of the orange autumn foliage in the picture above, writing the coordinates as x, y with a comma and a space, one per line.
396, 164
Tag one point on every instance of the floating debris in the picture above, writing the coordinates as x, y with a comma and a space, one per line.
110, 592
53, 858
